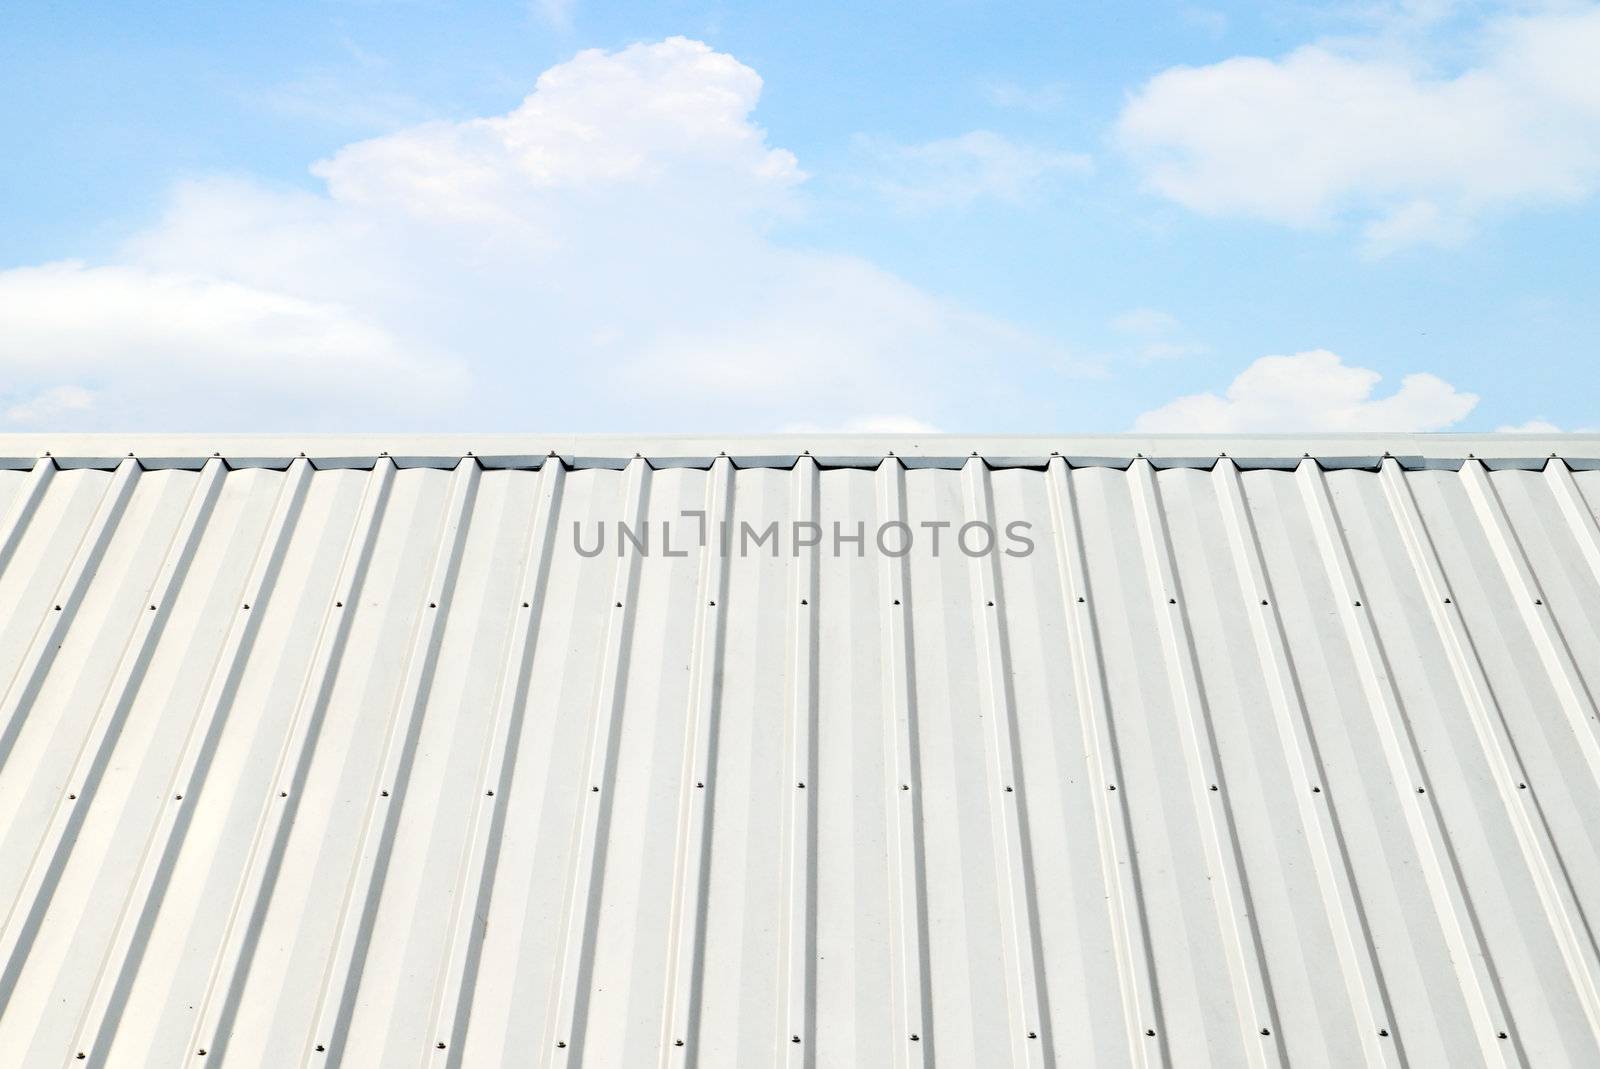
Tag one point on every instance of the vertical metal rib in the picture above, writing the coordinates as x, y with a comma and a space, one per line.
1027, 1001
1358, 959
49, 855
1130, 934
1467, 949
362, 893
23, 687
119, 963
1577, 703
566, 1012
686, 915
23, 506
796, 1039
910, 995
1580, 521
469, 905
253, 890
1499, 750
1230, 888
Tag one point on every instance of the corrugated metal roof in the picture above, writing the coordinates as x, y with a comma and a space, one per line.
354, 758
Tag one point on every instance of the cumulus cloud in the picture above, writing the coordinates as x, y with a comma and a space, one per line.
977, 165
600, 256
1313, 391
1350, 131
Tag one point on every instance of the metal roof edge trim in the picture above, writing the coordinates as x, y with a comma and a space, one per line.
1581, 452
780, 448
862, 463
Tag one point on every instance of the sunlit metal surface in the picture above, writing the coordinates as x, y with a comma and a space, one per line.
357, 759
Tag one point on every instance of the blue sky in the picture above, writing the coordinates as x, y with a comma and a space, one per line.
559, 215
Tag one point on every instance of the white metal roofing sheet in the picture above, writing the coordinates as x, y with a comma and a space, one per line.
369, 764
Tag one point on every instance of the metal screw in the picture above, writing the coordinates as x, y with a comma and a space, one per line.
1383, 1031
1500, 1035
1316, 790
1149, 1031
1111, 786
1266, 1031
594, 790
1213, 786
915, 1037
1008, 790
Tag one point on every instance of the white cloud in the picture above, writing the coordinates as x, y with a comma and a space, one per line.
1532, 426
1365, 131
169, 347
1313, 391
601, 256
977, 165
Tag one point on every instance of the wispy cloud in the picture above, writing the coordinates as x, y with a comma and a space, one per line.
1042, 97
957, 171
1348, 131
1156, 335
